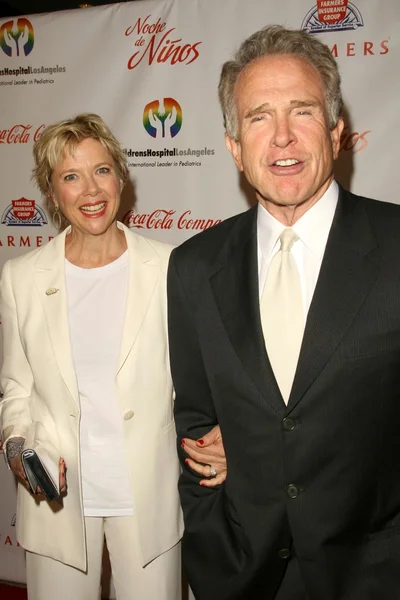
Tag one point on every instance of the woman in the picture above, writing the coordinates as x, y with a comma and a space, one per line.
86, 357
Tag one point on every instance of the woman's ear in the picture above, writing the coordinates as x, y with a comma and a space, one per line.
52, 198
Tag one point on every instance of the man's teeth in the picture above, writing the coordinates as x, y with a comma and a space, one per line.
93, 208
286, 163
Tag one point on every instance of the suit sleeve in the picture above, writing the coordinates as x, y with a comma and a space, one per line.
16, 378
194, 407
210, 543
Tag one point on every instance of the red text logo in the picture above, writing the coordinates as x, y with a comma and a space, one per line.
353, 141
365, 48
167, 219
20, 134
159, 44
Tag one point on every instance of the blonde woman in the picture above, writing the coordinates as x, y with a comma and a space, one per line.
86, 357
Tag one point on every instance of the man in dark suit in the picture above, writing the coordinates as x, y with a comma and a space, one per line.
285, 329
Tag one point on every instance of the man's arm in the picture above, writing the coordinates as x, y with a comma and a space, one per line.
213, 556
194, 408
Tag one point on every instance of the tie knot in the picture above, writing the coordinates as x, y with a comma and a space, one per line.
287, 238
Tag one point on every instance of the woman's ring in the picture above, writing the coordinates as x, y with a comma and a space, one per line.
213, 472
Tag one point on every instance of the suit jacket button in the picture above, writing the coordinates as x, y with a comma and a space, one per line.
128, 415
292, 491
288, 424
284, 553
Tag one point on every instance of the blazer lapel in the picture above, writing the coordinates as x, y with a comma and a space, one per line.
235, 288
347, 274
144, 272
49, 280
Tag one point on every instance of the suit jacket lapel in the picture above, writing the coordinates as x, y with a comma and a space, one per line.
49, 280
235, 288
49, 276
144, 272
347, 273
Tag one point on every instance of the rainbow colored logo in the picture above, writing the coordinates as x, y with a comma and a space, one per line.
162, 118
16, 37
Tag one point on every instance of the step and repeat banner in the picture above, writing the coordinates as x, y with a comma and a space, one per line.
151, 70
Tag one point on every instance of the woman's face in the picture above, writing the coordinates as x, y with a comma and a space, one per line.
86, 187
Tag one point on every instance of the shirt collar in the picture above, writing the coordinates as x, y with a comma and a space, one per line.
312, 228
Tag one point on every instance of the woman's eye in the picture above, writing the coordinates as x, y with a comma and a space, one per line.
69, 177
103, 170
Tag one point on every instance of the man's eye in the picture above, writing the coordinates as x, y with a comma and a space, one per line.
257, 118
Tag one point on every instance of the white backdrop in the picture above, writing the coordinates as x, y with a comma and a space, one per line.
151, 70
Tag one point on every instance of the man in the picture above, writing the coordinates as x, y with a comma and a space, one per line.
285, 329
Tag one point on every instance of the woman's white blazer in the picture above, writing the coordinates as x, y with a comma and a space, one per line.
39, 385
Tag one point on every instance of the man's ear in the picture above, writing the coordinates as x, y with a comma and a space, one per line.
336, 134
235, 149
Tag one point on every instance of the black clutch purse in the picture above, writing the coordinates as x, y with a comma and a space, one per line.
40, 459
38, 474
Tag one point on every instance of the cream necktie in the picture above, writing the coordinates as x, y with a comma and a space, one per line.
282, 316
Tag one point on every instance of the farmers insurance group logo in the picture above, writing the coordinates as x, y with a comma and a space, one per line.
23, 212
332, 15
162, 118
16, 37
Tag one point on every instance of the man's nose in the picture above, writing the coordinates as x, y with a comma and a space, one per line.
283, 133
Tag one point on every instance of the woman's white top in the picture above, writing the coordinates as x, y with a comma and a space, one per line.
96, 307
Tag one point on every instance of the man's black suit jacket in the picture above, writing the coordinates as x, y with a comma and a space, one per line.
319, 477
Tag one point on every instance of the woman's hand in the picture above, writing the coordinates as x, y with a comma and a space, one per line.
63, 477
207, 457
19, 472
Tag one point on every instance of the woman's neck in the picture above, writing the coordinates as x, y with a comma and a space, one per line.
89, 251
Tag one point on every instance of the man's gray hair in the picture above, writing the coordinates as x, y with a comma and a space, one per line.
271, 40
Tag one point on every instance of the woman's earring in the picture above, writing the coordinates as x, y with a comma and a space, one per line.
57, 219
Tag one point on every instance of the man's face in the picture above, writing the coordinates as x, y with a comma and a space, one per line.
285, 147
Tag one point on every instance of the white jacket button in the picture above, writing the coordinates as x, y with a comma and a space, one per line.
128, 415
